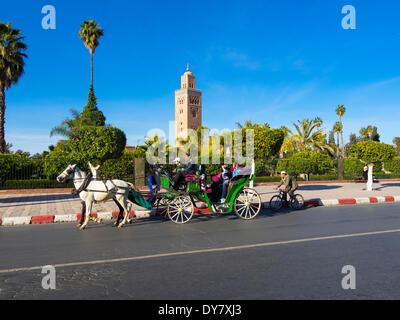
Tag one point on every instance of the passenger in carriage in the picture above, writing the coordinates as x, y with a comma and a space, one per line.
189, 169
220, 185
226, 176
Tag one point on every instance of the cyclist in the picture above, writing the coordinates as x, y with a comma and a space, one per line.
289, 185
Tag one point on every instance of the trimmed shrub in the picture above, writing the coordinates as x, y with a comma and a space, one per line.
307, 163
393, 165
373, 151
98, 144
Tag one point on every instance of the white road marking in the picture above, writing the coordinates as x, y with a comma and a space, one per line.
181, 253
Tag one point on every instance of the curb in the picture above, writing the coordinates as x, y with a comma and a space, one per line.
340, 202
13, 221
140, 214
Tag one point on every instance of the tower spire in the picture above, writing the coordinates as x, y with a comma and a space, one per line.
187, 68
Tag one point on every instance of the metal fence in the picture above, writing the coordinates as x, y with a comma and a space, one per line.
31, 175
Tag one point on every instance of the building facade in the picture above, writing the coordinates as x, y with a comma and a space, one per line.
187, 105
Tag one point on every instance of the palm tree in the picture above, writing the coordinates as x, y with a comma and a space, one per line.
309, 136
11, 68
364, 134
340, 110
90, 33
249, 125
337, 128
69, 128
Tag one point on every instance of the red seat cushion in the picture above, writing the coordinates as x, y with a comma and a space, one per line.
189, 177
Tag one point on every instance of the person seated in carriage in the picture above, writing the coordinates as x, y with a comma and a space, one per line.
189, 169
225, 178
179, 165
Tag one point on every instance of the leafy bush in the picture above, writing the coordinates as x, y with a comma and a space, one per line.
14, 165
393, 165
265, 167
56, 162
98, 144
268, 179
373, 151
306, 162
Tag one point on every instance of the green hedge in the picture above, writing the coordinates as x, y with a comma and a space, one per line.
393, 165
307, 163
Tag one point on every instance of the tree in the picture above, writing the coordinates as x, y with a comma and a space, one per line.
90, 33
97, 144
91, 115
249, 125
364, 134
22, 153
370, 133
337, 128
331, 139
306, 162
11, 68
309, 136
8, 147
396, 142
69, 128
370, 153
375, 135
340, 110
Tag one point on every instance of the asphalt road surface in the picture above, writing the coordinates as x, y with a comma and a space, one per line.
285, 255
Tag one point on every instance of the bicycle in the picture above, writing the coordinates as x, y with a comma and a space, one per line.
277, 201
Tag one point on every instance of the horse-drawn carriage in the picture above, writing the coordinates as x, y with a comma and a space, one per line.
179, 205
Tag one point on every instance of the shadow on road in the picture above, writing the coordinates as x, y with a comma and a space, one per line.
318, 187
38, 198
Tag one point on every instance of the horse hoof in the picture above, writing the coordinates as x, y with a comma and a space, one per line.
99, 221
82, 227
120, 225
78, 225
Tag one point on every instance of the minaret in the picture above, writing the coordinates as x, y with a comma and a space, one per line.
187, 105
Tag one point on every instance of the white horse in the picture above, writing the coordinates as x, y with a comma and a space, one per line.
98, 191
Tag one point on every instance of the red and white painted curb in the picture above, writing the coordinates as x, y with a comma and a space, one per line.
140, 214
339, 202
12, 221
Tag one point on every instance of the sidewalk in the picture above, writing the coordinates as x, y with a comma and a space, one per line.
325, 191
45, 204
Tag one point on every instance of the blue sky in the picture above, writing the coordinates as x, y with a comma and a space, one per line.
266, 61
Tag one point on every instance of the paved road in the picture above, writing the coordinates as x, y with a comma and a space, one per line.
212, 257
18, 205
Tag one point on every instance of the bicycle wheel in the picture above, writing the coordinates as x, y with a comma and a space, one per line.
276, 203
297, 202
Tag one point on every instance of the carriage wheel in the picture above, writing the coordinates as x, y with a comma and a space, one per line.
163, 207
275, 203
297, 202
247, 204
180, 210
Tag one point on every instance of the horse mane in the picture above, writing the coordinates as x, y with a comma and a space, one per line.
80, 172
